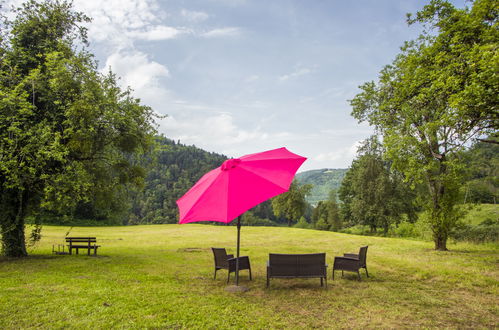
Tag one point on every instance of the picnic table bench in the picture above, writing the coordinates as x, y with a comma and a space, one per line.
312, 265
89, 243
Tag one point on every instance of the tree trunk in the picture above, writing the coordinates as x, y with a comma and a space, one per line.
12, 223
13, 241
385, 229
440, 242
437, 192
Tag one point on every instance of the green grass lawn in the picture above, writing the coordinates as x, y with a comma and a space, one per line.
481, 212
162, 276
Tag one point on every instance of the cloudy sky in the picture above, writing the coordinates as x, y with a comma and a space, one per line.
242, 76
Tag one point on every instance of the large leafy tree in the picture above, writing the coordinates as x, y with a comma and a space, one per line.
66, 131
373, 194
291, 204
438, 94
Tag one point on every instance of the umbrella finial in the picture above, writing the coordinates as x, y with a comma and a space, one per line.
230, 164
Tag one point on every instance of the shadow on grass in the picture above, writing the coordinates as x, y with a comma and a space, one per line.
49, 257
193, 249
30, 257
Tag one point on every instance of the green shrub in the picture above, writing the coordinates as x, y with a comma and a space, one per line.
322, 224
405, 229
486, 231
250, 219
303, 224
357, 230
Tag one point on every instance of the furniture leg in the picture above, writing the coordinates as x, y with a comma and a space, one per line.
228, 277
250, 274
325, 280
333, 274
366, 272
215, 275
358, 274
322, 282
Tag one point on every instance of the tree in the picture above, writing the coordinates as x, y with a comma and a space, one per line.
482, 162
319, 212
438, 94
333, 212
325, 215
67, 132
291, 204
172, 168
372, 193
303, 223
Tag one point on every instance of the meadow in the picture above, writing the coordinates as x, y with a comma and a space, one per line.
161, 276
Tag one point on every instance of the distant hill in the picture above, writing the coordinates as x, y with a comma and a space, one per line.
323, 181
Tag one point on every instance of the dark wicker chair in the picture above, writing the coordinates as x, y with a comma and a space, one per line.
351, 262
227, 261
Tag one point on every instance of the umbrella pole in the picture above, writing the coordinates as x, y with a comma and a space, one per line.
237, 255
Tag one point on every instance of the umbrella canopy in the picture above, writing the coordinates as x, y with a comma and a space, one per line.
238, 185
228, 191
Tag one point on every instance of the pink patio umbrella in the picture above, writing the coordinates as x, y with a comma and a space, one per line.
228, 191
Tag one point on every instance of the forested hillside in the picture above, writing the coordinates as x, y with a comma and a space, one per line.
323, 181
172, 170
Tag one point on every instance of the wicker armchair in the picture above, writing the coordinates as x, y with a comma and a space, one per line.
351, 262
227, 261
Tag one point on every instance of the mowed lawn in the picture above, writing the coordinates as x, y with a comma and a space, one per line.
161, 276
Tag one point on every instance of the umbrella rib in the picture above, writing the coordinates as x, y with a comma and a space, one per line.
264, 178
249, 159
199, 198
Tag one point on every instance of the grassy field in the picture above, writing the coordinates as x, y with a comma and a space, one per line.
162, 276
481, 212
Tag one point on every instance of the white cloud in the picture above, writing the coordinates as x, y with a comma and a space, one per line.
216, 131
222, 32
212, 131
136, 69
194, 16
143, 75
118, 23
153, 33
342, 153
297, 73
362, 129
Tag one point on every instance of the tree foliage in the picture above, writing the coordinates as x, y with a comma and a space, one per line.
438, 94
482, 162
67, 132
326, 215
291, 204
373, 194
172, 169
